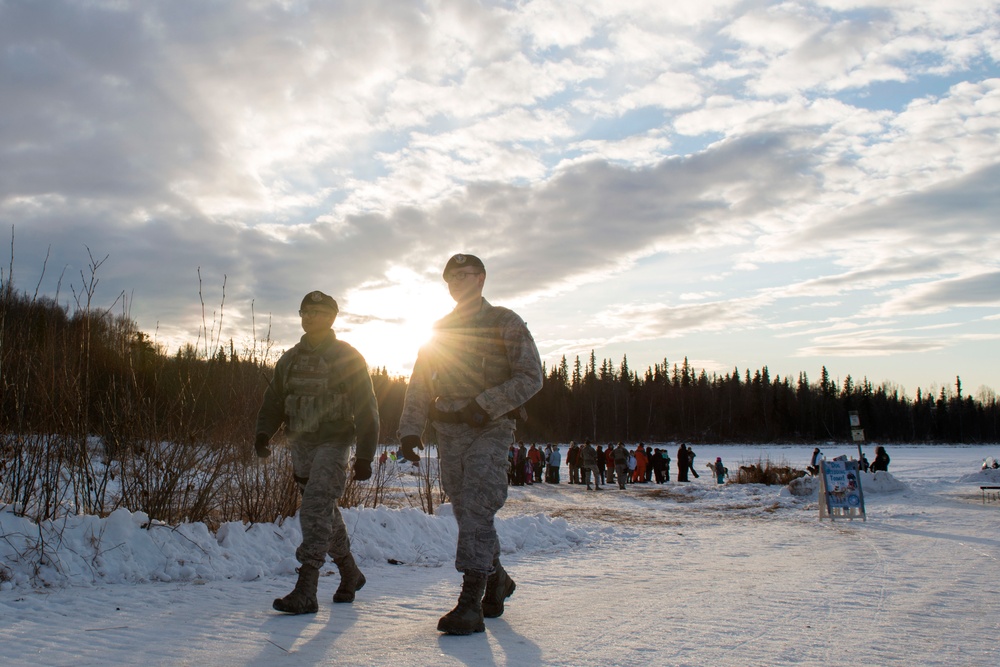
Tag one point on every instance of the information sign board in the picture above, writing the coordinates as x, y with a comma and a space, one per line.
840, 492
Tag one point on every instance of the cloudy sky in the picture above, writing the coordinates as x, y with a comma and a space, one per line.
741, 183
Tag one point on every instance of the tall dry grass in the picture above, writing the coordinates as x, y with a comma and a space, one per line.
765, 471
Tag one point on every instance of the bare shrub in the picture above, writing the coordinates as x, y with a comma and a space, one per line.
383, 488
260, 490
764, 471
430, 491
174, 482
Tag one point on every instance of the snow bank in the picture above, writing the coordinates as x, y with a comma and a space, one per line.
803, 486
871, 482
880, 482
986, 477
125, 547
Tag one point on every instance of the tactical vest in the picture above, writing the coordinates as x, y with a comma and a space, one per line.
469, 356
315, 392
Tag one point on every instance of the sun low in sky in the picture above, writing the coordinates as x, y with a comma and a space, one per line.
391, 321
793, 184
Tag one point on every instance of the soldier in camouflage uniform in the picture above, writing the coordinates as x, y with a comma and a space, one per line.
322, 392
621, 464
588, 464
468, 384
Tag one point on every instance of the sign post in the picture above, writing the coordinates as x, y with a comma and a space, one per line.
857, 433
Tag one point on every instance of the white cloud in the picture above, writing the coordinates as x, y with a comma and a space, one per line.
646, 46
638, 321
640, 150
670, 90
557, 23
699, 296
794, 48
980, 289
886, 342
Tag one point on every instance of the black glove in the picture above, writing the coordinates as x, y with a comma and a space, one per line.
407, 444
261, 445
474, 415
362, 469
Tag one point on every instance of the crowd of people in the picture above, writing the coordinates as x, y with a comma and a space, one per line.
593, 466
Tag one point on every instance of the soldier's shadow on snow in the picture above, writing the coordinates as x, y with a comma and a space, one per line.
308, 635
478, 648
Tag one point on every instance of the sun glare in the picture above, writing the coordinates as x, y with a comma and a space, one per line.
392, 320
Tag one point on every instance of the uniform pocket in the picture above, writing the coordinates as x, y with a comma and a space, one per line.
303, 414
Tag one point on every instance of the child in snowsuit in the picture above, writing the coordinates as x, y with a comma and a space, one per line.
720, 471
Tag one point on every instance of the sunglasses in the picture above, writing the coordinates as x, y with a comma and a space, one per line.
459, 276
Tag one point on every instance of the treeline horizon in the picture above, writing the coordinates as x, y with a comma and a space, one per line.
604, 402
92, 373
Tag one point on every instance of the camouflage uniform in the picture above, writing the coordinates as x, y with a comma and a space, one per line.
588, 458
492, 359
621, 465
324, 396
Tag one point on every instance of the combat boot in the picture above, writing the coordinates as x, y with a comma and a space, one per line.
467, 616
351, 579
302, 599
499, 587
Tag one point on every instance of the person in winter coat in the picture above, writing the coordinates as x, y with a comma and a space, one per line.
535, 456
609, 465
881, 461
555, 460
682, 463
656, 465
522, 472
621, 464
690, 460
813, 467
601, 463
641, 461
573, 462
648, 470
588, 464
322, 392
665, 458
469, 384
720, 470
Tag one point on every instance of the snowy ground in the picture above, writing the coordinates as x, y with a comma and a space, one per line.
694, 574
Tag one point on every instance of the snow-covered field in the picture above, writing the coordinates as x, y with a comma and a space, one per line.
677, 574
